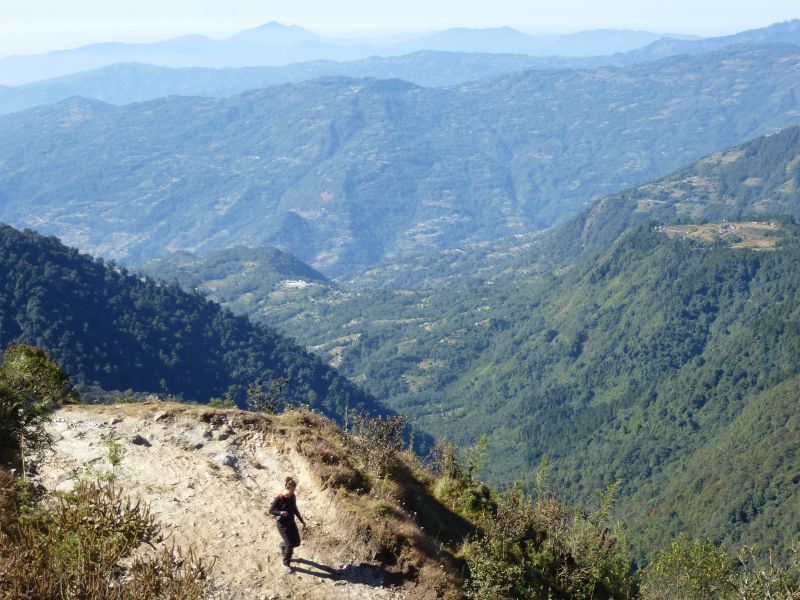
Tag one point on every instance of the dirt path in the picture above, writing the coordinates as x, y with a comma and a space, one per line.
210, 486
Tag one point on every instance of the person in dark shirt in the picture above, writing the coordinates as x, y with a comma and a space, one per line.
284, 510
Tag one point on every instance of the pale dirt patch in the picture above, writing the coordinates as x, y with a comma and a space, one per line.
210, 486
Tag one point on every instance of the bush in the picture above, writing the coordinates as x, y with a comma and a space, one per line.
694, 570
551, 551
76, 548
492, 576
31, 385
699, 570
267, 399
378, 440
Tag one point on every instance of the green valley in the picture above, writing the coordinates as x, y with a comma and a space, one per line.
629, 344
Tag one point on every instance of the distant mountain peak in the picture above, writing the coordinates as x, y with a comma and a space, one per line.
276, 33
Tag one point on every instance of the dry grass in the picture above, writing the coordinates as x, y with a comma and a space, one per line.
394, 521
78, 546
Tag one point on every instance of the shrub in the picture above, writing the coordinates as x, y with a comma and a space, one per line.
457, 485
491, 575
31, 385
691, 570
378, 440
116, 452
267, 400
75, 548
226, 402
699, 570
550, 550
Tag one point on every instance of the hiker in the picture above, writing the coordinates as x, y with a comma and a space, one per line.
283, 510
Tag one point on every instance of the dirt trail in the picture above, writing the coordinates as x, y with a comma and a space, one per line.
210, 486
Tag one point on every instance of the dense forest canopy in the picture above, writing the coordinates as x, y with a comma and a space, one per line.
118, 331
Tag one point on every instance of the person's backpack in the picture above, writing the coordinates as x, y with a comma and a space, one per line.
279, 506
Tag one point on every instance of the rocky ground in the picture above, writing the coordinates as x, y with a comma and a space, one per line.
210, 485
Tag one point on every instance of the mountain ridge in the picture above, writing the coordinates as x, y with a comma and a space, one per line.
312, 158
415, 63
288, 44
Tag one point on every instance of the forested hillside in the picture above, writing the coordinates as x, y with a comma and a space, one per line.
656, 363
241, 278
621, 368
123, 332
344, 173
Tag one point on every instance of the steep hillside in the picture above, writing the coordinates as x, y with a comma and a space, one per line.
241, 278
623, 367
209, 477
656, 362
123, 332
738, 488
757, 179
344, 173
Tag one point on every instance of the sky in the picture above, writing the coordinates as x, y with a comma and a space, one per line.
33, 26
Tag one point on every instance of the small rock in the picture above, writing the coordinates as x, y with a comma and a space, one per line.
224, 435
229, 460
138, 440
116, 420
159, 415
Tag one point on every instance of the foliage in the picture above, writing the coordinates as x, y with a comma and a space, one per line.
226, 402
116, 452
378, 440
31, 385
699, 570
76, 549
492, 576
690, 570
536, 550
260, 400
458, 485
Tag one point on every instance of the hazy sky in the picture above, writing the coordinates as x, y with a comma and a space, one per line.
28, 26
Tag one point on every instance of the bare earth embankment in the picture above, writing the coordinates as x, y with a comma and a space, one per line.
209, 478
